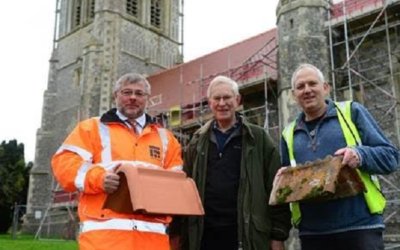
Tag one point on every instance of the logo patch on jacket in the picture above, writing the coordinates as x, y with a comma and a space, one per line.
155, 152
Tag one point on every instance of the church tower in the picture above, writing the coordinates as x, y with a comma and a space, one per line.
302, 39
95, 42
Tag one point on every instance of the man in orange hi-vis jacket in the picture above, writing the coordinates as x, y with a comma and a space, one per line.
87, 159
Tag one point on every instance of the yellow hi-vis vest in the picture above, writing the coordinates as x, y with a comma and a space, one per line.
374, 198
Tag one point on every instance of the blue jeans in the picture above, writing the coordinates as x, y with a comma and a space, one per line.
370, 239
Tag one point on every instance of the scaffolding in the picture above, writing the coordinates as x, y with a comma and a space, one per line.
365, 66
361, 38
59, 220
257, 87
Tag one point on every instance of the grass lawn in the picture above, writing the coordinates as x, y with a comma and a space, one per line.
26, 242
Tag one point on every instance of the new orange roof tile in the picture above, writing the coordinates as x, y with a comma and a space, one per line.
154, 191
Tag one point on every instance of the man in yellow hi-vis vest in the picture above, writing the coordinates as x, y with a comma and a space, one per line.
326, 128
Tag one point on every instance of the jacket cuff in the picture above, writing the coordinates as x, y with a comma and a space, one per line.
359, 156
94, 180
279, 235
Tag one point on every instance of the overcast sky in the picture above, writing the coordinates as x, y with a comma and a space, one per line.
25, 46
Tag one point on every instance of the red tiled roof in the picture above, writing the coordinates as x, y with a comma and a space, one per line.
243, 61
352, 6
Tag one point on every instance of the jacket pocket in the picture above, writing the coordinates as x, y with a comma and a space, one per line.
91, 207
259, 233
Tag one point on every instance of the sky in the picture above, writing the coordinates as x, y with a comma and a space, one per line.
27, 29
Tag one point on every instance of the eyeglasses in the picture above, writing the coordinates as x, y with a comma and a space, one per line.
129, 93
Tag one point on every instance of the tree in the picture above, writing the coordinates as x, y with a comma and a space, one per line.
14, 176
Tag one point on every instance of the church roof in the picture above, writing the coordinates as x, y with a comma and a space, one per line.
354, 8
245, 62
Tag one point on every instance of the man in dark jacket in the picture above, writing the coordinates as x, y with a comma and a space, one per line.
233, 164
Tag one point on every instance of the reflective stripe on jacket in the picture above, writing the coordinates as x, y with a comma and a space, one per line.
124, 224
373, 196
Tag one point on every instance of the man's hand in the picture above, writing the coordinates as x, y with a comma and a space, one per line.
277, 245
350, 157
111, 182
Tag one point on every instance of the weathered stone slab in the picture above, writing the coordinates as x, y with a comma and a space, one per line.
314, 181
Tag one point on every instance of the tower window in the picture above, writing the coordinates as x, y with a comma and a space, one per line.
132, 7
155, 13
76, 13
77, 77
91, 9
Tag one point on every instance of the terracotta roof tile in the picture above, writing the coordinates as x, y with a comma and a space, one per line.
154, 191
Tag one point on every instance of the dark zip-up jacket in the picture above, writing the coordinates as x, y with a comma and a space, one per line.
258, 222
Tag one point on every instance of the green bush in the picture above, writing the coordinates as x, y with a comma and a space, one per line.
14, 176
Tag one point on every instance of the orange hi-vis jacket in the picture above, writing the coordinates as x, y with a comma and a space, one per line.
99, 145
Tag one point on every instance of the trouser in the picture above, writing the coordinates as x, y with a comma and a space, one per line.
220, 238
370, 239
